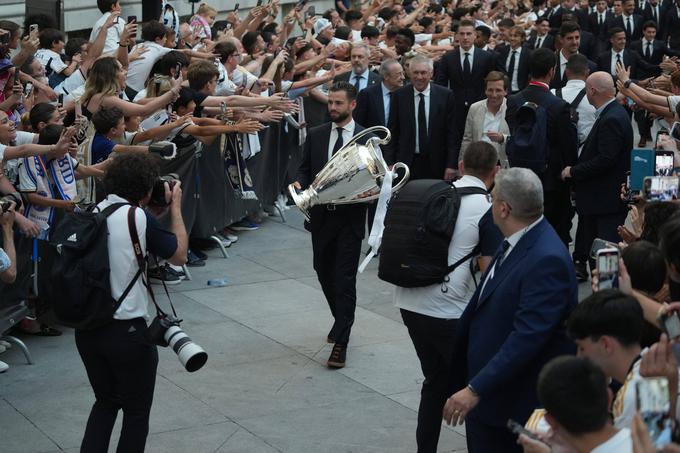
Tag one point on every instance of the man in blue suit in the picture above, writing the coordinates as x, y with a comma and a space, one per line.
514, 322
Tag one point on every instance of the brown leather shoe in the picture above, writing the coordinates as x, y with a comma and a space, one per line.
338, 356
642, 143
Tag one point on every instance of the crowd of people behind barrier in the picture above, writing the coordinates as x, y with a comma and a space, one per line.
530, 101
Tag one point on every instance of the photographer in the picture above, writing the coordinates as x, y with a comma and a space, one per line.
121, 364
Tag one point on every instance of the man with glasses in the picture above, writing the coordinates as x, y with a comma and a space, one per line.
514, 322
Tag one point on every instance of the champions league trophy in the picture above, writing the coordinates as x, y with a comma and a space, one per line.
355, 174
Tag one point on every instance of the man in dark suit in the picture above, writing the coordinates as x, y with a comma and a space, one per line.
514, 322
514, 60
541, 36
630, 22
608, 60
422, 118
653, 11
670, 28
601, 168
373, 103
337, 230
569, 7
570, 39
562, 139
463, 70
360, 76
599, 25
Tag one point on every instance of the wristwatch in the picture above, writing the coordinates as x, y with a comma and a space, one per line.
627, 83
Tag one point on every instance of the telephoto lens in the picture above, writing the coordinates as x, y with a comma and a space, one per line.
190, 355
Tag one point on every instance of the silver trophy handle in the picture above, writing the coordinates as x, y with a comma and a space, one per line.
404, 179
370, 130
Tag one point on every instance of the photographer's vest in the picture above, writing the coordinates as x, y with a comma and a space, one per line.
55, 179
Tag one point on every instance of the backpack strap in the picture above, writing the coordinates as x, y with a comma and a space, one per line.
463, 191
558, 93
577, 100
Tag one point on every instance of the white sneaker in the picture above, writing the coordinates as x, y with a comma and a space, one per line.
6, 344
226, 242
3, 367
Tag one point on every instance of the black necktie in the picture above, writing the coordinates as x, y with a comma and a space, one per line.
501, 254
422, 124
338, 142
511, 67
538, 43
629, 28
648, 53
466, 64
600, 20
654, 14
357, 82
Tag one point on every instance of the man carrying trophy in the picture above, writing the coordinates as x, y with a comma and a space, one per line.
337, 229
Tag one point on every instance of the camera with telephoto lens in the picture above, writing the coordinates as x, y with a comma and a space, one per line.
165, 331
7, 200
158, 193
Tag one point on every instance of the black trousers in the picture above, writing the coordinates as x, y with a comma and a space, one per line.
121, 366
591, 227
644, 123
433, 339
483, 438
336, 260
558, 212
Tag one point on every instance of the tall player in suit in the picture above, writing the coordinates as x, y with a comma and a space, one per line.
337, 230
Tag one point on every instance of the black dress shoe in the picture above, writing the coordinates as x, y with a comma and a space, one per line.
581, 271
330, 338
338, 356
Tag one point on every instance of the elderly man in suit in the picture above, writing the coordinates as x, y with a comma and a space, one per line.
422, 118
337, 231
486, 118
514, 323
360, 76
373, 103
601, 167
463, 71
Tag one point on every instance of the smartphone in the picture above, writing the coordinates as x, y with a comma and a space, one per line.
663, 163
675, 131
157, 84
131, 19
660, 188
607, 262
653, 403
33, 29
236, 7
61, 100
301, 4
28, 89
670, 324
178, 70
518, 429
311, 11
600, 244
630, 102
662, 131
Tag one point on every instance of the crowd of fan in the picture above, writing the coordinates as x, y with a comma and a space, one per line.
69, 106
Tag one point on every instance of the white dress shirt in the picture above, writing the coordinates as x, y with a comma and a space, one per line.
386, 102
430, 300
586, 112
416, 103
563, 64
612, 64
645, 45
492, 123
621, 442
471, 57
363, 82
515, 71
347, 134
512, 240
625, 23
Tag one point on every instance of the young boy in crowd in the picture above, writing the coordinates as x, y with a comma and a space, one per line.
52, 44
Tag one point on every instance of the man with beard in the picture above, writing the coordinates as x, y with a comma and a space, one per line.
337, 230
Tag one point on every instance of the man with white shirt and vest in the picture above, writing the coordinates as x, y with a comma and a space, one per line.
337, 230
431, 312
514, 322
361, 76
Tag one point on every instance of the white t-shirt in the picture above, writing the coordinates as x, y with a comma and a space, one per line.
12, 165
139, 70
624, 406
51, 60
123, 262
72, 87
431, 300
112, 35
621, 442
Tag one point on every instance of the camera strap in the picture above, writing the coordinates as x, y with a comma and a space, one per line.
142, 262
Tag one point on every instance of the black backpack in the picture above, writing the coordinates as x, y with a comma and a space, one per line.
81, 288
528, 144
573, 105
419, 224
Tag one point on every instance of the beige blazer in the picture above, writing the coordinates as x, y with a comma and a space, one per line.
474, 123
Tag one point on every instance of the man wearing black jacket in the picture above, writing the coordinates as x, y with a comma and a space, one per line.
630, 22
562, 139
337, 230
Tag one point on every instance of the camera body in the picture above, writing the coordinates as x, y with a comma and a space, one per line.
7, 200
158, 193
165, 331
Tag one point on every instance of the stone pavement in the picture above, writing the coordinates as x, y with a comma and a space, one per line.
265, 387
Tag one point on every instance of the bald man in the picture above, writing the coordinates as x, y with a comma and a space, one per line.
601, 168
